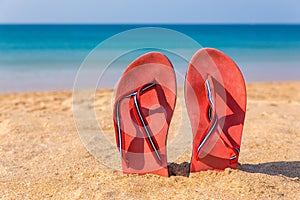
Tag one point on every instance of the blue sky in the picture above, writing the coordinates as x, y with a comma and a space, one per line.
154, 11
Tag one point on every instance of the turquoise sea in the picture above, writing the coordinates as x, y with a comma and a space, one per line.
47, 57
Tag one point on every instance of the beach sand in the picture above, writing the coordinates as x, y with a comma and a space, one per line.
42, 156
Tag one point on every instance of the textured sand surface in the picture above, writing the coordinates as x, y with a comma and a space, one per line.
42, 156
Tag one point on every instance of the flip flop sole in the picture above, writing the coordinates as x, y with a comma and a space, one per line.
144, 104
213, 78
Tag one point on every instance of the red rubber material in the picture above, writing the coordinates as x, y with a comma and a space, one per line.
157, 105
229, 93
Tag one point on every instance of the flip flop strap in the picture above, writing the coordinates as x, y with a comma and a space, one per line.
152, 143
140, 119
213, 117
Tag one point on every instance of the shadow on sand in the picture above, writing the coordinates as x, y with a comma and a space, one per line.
288, 169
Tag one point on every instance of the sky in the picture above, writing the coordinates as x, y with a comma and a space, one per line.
154, 11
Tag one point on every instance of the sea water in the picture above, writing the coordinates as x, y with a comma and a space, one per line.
47, 57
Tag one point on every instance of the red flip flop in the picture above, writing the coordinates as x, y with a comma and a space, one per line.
215, 95
144, 104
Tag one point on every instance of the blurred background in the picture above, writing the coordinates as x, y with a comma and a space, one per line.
43, 43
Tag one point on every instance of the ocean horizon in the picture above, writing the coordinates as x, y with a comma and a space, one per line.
47, 57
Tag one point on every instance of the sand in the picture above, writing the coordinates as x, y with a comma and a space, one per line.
42, 156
